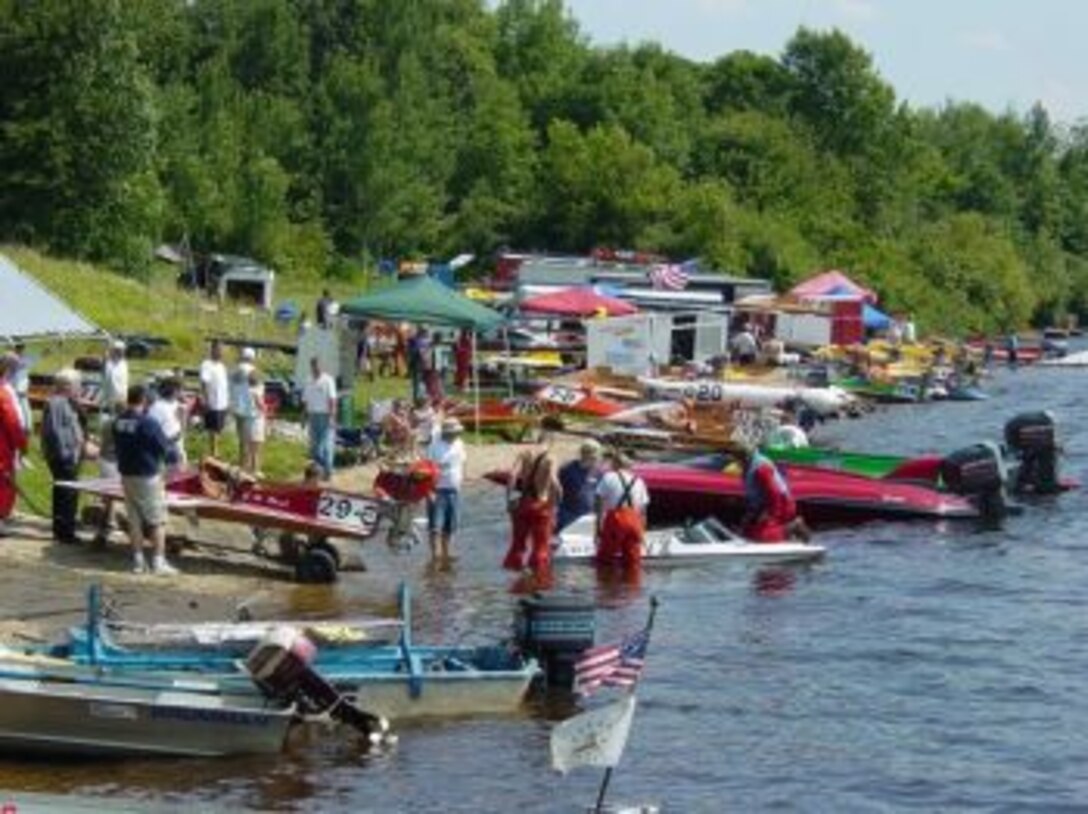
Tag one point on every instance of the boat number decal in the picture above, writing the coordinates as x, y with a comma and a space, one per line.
558, 394
705, 391
113, 711
345, 509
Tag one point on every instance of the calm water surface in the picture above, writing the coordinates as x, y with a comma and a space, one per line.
919, 668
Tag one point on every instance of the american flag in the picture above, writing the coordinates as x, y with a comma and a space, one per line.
670, 276
612, 665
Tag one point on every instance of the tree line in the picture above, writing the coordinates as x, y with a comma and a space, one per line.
315, 133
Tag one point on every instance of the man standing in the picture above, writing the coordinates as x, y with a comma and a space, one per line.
20, 382
241, 403
419, 358
63, 438
447, 450
13, 439
141, 451
578, 480
319, 398
321, 309
215, 389
114, 381
532, 496
622, 499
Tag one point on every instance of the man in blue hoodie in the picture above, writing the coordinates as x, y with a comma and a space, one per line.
141, 449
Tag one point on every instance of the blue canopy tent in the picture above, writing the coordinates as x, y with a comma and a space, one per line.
874, 319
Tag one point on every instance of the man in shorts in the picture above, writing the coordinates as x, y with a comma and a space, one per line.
215, 387
141, 449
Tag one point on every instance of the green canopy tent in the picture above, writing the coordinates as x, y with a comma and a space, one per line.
424, 301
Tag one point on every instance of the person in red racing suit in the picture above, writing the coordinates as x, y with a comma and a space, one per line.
770, 512
13, 440
621, 515
533, 496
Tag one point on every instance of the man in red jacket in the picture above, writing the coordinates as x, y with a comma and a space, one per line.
13, 439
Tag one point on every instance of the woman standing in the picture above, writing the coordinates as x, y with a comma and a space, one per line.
258, 427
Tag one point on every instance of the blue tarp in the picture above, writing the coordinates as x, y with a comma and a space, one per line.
874, 319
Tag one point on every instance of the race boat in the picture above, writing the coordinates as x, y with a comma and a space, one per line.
704, 487
825, 401
315, 513
693, 544
921, 469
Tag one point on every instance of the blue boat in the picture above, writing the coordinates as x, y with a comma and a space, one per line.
397, 679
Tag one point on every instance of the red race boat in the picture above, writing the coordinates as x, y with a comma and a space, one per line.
702, 488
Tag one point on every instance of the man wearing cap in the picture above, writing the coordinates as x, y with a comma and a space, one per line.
578, 480
13, 438
770, 512
622, 499
447, 451
319, 399
241, 403
141, 448
114, 380
63, 438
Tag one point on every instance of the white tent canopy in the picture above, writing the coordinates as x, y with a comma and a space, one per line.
29, 311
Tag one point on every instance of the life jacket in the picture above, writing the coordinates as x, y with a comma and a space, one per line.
752, 493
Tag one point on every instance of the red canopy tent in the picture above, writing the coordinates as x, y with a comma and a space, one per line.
832, 284
578, 302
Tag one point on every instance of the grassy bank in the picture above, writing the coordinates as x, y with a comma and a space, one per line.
158, 308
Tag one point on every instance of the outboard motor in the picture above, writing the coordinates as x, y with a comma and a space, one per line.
281, 665
555, 630
1033, 439
978, 472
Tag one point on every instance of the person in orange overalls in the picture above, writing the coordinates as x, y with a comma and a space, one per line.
533, 495
770, 513
622, 499
13, 440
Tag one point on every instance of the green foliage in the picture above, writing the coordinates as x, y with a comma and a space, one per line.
313, 133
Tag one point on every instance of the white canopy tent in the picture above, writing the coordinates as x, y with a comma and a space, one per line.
30, 312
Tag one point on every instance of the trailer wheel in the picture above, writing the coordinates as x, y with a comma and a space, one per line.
317, 566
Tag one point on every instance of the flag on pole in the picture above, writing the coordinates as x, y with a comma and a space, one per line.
612, 665
671, 276
594, 738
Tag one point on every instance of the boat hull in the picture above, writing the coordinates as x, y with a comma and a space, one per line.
44, 718
823, 497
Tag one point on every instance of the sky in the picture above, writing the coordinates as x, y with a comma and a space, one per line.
1001, 54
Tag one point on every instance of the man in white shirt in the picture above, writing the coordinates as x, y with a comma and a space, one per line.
909, 331
215, 389
447, 450
319, 399
20, 383
241, 402
114, 381
168, 412
744, 347
622, 499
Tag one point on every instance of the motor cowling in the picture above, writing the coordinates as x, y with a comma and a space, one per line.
556, 630
281, 665
1033, 439
978, 472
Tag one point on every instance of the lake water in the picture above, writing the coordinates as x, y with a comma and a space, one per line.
918, 668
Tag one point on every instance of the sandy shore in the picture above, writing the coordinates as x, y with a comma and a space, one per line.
45, 585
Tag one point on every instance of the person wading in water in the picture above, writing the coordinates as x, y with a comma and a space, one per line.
533, 494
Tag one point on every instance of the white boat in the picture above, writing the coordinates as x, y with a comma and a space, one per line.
1079, 359
698, 543
76, 713
823, 400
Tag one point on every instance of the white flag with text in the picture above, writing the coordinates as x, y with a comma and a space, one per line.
594, 738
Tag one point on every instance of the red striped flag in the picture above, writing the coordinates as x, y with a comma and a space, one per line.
613, 665
669, 277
